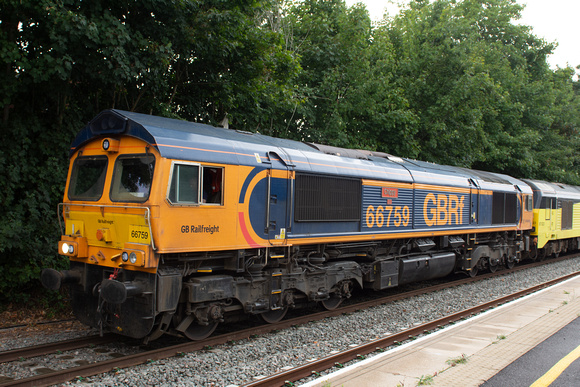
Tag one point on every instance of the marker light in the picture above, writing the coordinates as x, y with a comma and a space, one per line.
110, 145
125, 256
65, 248
133, 258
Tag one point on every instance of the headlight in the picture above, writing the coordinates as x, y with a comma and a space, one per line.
133, 258
125, 256
66, 249
73, 248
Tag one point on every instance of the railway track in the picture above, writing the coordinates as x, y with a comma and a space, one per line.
50, 322
60, 376
360, 352
44, 349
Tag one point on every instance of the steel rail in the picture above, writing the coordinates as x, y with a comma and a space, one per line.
49, 322
61, 376
43, 349
331, 361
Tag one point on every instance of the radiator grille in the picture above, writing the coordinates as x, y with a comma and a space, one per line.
322, 198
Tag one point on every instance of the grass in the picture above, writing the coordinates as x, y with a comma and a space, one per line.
425, 380
457, 360
499, 337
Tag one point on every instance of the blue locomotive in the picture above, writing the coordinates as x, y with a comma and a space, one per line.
173, 227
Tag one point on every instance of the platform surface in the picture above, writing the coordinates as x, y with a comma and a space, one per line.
490, 341
538, 364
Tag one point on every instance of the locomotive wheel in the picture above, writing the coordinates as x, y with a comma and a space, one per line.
473, 271
332, 303
541, 255
273, 316
197, 332
510, 263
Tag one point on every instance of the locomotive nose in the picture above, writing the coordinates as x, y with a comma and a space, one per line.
53, 279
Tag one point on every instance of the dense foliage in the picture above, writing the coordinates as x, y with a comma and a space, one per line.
449, 81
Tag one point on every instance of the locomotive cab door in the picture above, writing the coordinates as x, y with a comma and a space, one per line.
474, 199
278, 198
550, 215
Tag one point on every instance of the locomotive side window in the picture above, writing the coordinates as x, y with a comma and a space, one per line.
529, 203
88, 178
184, 185
132, 178
193, 184
212, 185
548, 203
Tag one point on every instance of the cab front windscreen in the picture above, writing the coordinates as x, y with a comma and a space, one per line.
132, 177
130, 181
88, 178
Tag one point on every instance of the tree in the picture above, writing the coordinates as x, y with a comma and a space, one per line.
479, 83
345, 85
449, 81
230, 62
66, 60
556, 152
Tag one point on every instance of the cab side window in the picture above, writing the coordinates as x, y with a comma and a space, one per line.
212, 185
192, 184
184, 185
529, 203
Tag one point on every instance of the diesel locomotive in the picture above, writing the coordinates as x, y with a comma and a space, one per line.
173, 227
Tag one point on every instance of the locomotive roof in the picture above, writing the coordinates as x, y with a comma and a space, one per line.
559, 190
179, 139
152, 129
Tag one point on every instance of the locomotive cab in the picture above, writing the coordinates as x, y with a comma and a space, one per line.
107, 235
555, 208
119, 186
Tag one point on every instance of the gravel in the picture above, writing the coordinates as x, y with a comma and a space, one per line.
37, 334
240, 362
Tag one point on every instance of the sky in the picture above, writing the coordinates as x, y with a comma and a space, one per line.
552, 20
